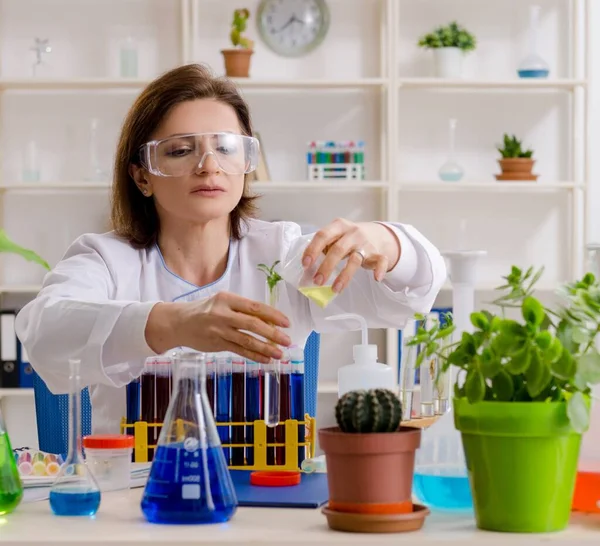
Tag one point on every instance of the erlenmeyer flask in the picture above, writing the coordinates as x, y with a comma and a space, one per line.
451, 171
75, 491
189, 480
532, 65
11, 487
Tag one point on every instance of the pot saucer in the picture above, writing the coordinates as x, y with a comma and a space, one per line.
376, 523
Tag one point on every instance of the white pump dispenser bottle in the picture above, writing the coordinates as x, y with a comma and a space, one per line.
365, 372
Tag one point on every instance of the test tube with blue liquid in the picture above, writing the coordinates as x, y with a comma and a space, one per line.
223, 399
75, 491
285, 409
189, 480
297, 395
238, 407
211, 366
253, 404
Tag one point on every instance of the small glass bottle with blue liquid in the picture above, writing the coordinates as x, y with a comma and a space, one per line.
533, 65
75, 492
189, 481
451, 171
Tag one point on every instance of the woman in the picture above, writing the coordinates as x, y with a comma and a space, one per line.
180, 266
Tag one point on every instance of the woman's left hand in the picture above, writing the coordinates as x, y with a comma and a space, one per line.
369, 245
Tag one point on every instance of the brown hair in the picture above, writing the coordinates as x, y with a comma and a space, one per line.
134, 216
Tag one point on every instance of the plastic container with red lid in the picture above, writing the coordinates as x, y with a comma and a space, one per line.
109, 458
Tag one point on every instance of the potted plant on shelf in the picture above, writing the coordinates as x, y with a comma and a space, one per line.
516, 163
370, 463
449, 44
237, 60
522, 401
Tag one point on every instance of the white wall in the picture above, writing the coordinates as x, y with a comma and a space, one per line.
86, 37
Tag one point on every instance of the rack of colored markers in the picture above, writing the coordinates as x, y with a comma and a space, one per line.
336, 160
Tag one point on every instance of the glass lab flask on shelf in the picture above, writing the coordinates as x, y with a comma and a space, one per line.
75, 491
451, 171
189, 480
533, 65
11, 487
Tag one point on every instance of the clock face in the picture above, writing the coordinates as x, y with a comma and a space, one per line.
293, 27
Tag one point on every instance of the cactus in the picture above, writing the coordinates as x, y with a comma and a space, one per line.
376, 410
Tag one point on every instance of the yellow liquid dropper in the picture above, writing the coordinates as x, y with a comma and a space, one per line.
321, 295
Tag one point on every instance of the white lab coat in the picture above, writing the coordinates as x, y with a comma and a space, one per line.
95, 303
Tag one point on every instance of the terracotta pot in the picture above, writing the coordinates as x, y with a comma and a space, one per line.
237, 62
517, 168
370, 473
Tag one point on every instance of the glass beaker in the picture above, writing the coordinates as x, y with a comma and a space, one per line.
11, 487
532, 65
189, 480
75, 491
451, 171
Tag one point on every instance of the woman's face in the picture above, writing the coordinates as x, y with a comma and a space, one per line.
205, 191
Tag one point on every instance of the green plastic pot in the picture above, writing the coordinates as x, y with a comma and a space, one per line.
522, 462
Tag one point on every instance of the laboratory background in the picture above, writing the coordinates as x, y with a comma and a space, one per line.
485, 147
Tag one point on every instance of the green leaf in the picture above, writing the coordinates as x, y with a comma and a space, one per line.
543, 339
553, 352
564, 332
7, 245
480, 321
564, 367
588, 366
490, 364
538, 375
475, 386
503, 386
578, 413
533, 311
519, 362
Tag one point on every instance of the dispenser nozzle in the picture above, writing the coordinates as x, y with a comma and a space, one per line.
363, 324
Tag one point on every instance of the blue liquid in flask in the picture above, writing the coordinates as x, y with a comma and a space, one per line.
74, 502
443, 490
189, 486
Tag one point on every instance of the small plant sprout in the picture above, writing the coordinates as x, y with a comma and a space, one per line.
238, 27
512, 148
272, 279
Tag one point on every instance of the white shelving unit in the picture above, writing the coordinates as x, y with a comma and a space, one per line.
386, 87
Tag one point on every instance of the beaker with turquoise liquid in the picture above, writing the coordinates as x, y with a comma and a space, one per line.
451, 171
533, 65
441, 479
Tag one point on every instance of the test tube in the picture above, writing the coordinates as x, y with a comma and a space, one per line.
407, 370
155, 388
223, 401
427, 374
133, 401
297, 396
285, 409
253, 405
238, 407
210, 381
271, 397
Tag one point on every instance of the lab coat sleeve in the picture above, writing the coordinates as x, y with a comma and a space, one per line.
76, 316
410, 287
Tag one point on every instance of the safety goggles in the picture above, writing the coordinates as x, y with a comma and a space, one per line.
184, 154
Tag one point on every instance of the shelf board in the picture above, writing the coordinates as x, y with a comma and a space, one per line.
16, 392
324, 185
20, 288
327, 387
276, 84
491, 186
53, 186
475, 85
490, 286
70, 84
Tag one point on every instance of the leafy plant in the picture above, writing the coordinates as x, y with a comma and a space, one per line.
238, 27
512, 148
9, 246
272, 278
549, 355
451, 35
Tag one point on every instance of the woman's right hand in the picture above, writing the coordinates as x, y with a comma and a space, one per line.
223, 322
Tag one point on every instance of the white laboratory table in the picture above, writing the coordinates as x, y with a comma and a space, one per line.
119, 521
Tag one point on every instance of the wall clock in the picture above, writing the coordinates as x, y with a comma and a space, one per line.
292, 28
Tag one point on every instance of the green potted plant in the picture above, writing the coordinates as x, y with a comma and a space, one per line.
370, 464
522, 401
449, 44
515, 162
237, 59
